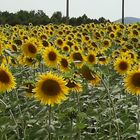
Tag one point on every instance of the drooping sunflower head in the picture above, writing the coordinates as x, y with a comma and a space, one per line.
50, 89
74, 86
78, 58
51, 56
28, 87
7, 81
64, 64
103, 60
45, 43
132, 82
89, 75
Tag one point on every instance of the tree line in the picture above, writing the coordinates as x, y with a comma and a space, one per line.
40, 18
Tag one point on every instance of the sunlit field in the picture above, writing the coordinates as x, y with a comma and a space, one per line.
59, 82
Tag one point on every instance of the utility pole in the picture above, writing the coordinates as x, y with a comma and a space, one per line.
67, 11
122, 11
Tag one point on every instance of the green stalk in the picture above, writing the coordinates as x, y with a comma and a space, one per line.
138, 119
71, 132
12, 118
50, 113
114, 112
78, 120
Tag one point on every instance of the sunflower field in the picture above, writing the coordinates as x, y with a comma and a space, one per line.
62, 82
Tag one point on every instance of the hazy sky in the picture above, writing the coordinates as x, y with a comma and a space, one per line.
109, 9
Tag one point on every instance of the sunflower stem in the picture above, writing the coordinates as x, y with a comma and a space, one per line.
50, 111
71, 133
138, 121
112, 105
78, 119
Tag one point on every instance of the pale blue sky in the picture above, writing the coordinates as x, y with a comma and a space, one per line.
110, 9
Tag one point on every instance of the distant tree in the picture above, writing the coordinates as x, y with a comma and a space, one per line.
56, 17
40, 18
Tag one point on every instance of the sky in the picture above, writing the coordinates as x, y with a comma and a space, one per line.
109, 9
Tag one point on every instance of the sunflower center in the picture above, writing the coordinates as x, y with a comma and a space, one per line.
51, 87
123, 65
45, 43
52, 56
29, 60
4, 78
102, 59
64, 63
135, 32
71, 84
32, 48
66, 48
136, 79
106, 43
77, 56
91, 58
60, 42
14, 47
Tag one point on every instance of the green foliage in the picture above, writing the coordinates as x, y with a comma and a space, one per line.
40, 18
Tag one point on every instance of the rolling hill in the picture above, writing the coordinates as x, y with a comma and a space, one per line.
129, 20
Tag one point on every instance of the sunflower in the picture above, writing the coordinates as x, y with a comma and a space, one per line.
91, 58
59, 42
112, 35
50, 89
64, 64
30, 48
45, 43
103, 60
90, 76
51, 56
122, 65
29, 90
66, 48
7, 81
132, 82
73, 86
78, 58
106, 44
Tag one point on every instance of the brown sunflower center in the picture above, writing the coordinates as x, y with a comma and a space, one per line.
66, 48
102, 59
29, 60
51, 87
14, 48
64, 63
45, 43
136, 79
91, 58
86, 73
71, 84
52, 56
112, 35
59, 42
135, 32
4, 77
106, 43
32, 48
77, 56
123, 65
